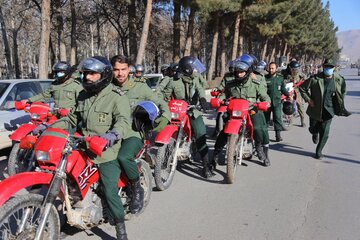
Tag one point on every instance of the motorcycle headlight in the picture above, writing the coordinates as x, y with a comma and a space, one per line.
42, 156
174, 115
35, 116
236, 113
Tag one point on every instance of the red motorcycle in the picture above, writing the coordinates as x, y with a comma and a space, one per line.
22, 157
240, 143
175, 143
220, 112
66, 172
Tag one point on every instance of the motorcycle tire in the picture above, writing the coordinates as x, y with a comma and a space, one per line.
231, 157
12, 212
162, 171
20, 160
145, 182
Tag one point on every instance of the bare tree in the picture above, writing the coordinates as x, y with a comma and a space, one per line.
6, 45
145, 32
44, 39
73, 46
214, 47
190, 32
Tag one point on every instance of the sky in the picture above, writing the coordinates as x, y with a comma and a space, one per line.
345, 14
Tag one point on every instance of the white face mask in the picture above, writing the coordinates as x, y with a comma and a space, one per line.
328, 71
60, 74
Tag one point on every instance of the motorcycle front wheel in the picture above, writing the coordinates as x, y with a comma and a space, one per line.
231, 157
163, 165
20, 218
20, 160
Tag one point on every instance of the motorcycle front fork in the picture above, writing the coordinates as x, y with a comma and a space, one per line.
177, 146
51, 195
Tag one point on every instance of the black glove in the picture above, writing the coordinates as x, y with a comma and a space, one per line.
203, 104
111, 137
39, 129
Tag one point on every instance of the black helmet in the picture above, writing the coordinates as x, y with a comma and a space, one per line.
144, 116
131, 69
329, 62
288, 108
186, 65
96, 64
164, 67
61, 71
261, 66
294, 64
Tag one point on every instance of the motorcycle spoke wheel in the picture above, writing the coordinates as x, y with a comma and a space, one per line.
231, 153
20, 218
145, 182
163, 165
20, 160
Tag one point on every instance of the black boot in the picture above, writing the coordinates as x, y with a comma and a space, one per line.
121, 231
266, 151
137, 201
260, 152
278, 136
216, 156
207, 167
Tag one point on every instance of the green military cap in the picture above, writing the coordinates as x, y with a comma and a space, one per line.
329, 62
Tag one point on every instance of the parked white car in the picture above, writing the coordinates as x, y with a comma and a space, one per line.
15, 90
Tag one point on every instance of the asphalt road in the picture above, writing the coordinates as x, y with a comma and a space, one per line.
297, 197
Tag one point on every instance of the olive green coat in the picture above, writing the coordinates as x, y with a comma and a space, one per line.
177, 89
96, 114
275, 88
228, 77
137, 91
252, 90
313, 88
160, 90
64, 94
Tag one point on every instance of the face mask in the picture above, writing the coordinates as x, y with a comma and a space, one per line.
81, 76
60, 74
328, 71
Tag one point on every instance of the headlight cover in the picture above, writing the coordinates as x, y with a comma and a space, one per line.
174, 115
42, 155
236, 113
35, 116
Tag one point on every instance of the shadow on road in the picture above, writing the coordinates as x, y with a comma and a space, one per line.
69, 231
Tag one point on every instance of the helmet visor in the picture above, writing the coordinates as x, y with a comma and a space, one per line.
91, 65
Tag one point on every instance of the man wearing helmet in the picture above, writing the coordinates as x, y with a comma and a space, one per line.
165, 81
294, 75
136, 91
324, 93
245, 87
187, 87
64, 90
275, 87
139, 71
102, 110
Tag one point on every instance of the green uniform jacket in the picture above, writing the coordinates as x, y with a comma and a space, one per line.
64, 94
252, 90
276, 87
162, 87
177, 89
228, 77
202, 80
313, 88
138, 91
99, 113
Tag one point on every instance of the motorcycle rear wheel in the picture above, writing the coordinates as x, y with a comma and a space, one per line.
231, 156
26, 210
162, 171
20, 160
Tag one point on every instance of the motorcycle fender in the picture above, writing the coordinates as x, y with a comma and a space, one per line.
164, 136
22, 131
232, 126
19, 181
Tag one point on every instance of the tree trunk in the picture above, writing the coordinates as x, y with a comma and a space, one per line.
132, 31
223, 50
285, 49
16, 54
10, 71
214, 48
145, 32
190, 32
241, 45
264, 49
44, 39
177, 31
60, 31
73, 33
236, 36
